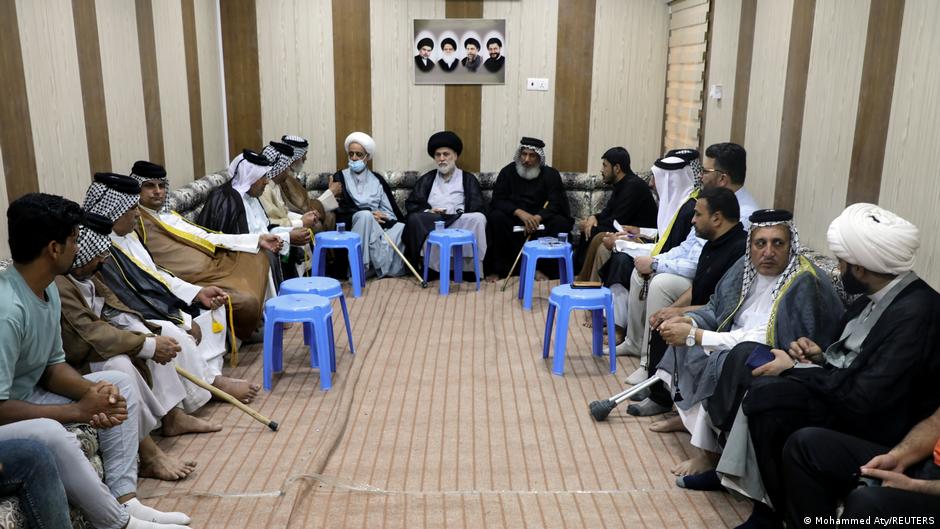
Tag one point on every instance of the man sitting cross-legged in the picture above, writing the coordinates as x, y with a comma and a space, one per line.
92, 343
772, 295
37, 384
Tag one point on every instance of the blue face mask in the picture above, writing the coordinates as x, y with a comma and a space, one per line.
357, 166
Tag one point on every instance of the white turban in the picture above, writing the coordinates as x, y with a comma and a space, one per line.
362, 139
874, 238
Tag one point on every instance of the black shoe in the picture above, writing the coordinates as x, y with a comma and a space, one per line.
641, 395
762, 517
705, 481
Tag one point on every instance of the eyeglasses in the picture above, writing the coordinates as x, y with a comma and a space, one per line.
356, 154
710, 171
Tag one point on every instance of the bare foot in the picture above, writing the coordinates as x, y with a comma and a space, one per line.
176, 422
672, 423
539, 276
240, 389
154, 463
492, 278
696, 465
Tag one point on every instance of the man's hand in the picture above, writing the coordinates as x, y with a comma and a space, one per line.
439, 211
379, 217
665, 313
643, 265
529, 221
299, 236
587, 225
895, 480
270, 242
335, 187
805, 351
310, 219
104, 406
888, 462
779, 364
212, 297
196, 332
675, 331
166, 349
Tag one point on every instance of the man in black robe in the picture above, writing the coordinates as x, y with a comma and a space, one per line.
423, 58
878, 380
528, 193
496, 61
447, 194
448, 61
473, 60
631, 203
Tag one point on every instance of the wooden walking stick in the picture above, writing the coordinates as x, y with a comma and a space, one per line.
424, 284
518, 256
227, 398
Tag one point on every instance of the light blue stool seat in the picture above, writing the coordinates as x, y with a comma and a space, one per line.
564, 298
321, 286
311, 310
347, 240
532, 251
451, 241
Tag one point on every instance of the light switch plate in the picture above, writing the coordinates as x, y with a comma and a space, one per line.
537, 83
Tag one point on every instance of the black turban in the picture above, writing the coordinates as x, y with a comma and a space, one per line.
495, 41
470, 41
450, 41
444, 139
425, 42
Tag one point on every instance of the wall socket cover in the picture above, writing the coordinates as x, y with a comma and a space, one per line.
537, 83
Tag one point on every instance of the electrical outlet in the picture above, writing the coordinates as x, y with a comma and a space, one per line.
537, 83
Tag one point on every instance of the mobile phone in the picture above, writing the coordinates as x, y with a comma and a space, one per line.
865, 481
759, 356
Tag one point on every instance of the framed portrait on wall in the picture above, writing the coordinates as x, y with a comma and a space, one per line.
459, 51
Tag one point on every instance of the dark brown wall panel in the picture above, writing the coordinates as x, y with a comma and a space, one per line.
193, 89
242, 81
874, 100
742, 76
84, 16
352, 71
16, 134
573, 72
463, 103
148, 74
794, 99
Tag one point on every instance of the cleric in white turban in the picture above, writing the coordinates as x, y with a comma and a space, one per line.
875, 383
367, 207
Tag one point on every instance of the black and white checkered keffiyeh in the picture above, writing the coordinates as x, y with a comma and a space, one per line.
279, 161
299, 144
144, 171
111, 195
793, 266
92, 239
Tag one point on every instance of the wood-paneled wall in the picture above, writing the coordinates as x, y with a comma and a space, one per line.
869, 121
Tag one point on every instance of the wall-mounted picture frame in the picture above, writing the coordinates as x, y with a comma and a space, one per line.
459, 51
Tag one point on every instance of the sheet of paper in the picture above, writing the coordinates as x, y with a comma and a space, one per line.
633, 249
517, 229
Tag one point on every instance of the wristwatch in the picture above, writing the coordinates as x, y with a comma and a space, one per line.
654, 265
690, 339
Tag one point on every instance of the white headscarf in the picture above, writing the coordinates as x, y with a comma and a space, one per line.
673, 188
874, 238
362, 139
245, 173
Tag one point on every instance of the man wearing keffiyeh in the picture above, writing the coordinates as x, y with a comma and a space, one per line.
772, 295
100, 333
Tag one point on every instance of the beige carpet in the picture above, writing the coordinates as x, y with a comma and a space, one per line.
447, 416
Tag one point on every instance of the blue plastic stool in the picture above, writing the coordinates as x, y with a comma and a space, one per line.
451, 240
352, 243
532, 251
311, 310
564, 299
321, 286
